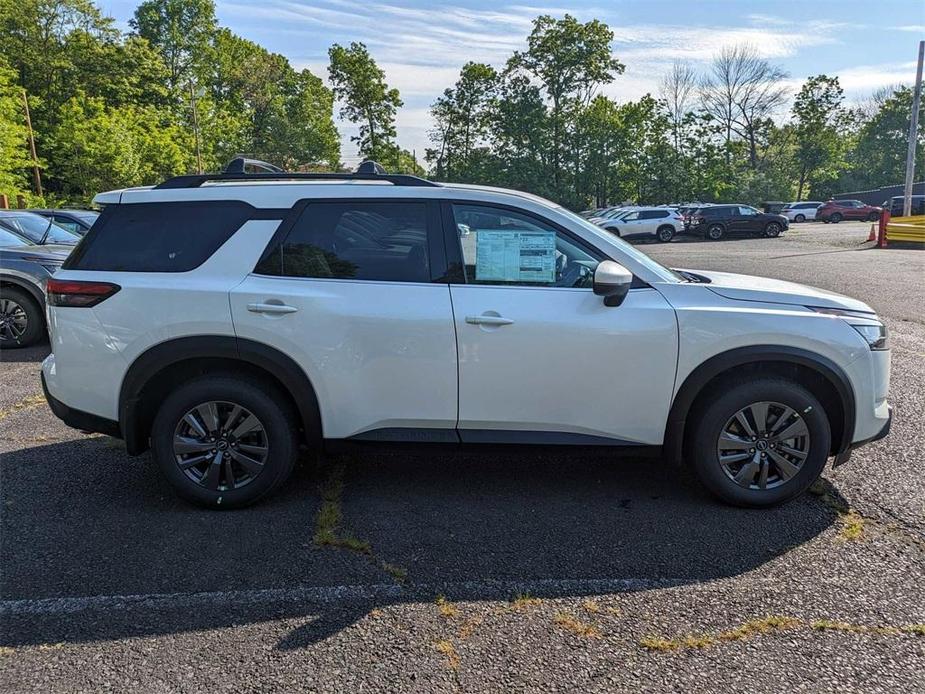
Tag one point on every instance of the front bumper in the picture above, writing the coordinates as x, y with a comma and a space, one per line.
845, 455
78, 419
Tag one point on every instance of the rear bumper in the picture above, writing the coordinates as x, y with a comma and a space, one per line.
79, 419
845, 455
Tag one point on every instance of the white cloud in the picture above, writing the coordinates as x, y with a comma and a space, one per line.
912, 28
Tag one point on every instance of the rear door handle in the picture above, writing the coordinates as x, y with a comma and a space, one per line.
488, 320
271, 308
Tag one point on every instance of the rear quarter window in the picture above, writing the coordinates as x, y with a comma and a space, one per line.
158, 237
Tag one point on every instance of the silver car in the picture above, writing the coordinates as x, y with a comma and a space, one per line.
24, 269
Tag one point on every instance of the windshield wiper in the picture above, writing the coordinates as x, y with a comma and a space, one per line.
45, 235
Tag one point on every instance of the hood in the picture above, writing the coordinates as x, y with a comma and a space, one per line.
750, 288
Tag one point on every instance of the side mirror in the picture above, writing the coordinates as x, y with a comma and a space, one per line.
612, 281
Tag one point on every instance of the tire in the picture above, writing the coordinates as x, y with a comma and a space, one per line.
715, 232
21, 320
782, 483
277, 435
873, 217
799, 218
772, 230
665, 233
613, 230
835, 218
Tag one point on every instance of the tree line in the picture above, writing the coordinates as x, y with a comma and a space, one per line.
178, 93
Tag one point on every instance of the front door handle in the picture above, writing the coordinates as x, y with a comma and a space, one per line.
488, 320
271, 308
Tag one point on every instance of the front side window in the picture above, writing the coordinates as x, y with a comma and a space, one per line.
384, 241
503, 247
630, 217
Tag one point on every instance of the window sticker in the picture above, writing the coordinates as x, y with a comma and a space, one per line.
515, 256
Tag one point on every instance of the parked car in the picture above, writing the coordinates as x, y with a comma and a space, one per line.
895, 205
717, 221
24, 269
835, 211
36, 229
609, 213
77, 221
227, 324
802, 211
660, 223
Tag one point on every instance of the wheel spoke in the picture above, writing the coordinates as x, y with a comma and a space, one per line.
232, 418
249, 464
208, 412
747, 474
760, 414
731, 441
213, 473
785, 468
247, 426
248, 448
734, 457
782, 420
797, 428
744, 423
194, 424
763, 475
229, 472
793, 451
185, 444
192, 462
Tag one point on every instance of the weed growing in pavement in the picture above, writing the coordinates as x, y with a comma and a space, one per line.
446, 608
449, 651
522, 601
24, 404
576, 626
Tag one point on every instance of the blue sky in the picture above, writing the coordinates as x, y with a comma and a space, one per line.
421, 45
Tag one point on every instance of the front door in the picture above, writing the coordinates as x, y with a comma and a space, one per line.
355, 293
541, 358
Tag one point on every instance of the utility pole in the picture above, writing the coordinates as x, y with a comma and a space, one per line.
192, 97
36, 174
913, 134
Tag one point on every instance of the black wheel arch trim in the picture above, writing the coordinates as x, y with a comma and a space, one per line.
164, 354
34, 291
716, 365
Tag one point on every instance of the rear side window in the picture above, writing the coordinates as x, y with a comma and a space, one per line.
385, 241
654, 214
158, 237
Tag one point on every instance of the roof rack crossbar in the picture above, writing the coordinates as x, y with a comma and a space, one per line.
235, 171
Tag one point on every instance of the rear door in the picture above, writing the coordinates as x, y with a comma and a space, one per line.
354, 291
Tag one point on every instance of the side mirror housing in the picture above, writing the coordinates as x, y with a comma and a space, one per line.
612, 281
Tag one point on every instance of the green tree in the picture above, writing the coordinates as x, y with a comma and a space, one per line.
366, 100
14, 157
818, 121
571, 60
181, 31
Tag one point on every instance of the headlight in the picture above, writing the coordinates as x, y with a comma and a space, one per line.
867, 326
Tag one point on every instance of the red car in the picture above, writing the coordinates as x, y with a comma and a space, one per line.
836, 210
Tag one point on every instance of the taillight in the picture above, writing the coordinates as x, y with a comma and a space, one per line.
76, 294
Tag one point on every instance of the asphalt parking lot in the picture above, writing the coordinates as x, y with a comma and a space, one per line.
449, 571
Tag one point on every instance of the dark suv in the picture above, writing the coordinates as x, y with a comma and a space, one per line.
836, 210
896, 205
717, 221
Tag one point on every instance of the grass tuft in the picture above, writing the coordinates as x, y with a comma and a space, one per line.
449, 651
24, 404
446, 608
576, 626
522, 601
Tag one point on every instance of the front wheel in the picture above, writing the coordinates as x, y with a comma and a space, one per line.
665, 234
715, 232
223, 441
760, 443
772, 230
873, 217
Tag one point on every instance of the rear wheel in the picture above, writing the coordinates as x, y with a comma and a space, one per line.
21, 320
799, 218
772, 230
715, 232
835, 218
665, 233
760, 443
224, 442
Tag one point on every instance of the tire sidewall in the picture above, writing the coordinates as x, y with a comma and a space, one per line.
799, 218
715, 237
714, 416
776, 230
666, 232
835, 218
35, 321
262, 402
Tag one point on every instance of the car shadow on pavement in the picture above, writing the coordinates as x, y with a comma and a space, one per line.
82, 521
22, 355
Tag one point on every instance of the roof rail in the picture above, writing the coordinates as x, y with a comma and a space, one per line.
236, 171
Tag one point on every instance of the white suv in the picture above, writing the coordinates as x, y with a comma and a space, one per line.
800, 211
660, 223
225, 320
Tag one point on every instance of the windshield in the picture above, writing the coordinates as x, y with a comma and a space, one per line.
8, 238
667, 274
87, 217
33, 227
